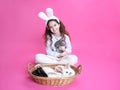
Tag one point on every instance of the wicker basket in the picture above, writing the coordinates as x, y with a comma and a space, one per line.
53, 81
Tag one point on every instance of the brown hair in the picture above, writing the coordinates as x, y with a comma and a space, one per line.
48, 32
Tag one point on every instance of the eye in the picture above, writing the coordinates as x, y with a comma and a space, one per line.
66, 71
55, 25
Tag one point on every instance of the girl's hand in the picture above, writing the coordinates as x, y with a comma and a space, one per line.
62, 54
62, 48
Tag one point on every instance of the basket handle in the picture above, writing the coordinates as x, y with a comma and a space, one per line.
79, 69
29, 66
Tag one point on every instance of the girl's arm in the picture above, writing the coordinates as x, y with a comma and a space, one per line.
49, 50
68, 44
68, 47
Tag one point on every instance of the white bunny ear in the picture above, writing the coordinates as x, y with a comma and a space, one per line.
49, 12
67, 66
49, 16
43, 16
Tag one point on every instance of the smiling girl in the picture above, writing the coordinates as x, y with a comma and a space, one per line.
57, 39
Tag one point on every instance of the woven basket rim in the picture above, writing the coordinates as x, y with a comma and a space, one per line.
41, 79
33, 68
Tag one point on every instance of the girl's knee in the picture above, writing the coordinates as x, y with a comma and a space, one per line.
38, 57
73, 59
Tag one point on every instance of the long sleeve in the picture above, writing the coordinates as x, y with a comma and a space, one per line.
68, 44
49, 50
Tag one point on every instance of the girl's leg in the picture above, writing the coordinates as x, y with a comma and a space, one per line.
71, 59
45, 59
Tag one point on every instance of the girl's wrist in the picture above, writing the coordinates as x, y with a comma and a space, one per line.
63, 54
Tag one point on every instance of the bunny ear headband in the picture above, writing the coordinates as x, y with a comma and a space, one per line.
49, 16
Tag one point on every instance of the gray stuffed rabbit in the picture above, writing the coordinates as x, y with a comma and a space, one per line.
60, 43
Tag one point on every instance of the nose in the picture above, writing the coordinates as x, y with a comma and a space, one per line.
53, 28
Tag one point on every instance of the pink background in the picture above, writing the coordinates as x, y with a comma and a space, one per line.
94, 26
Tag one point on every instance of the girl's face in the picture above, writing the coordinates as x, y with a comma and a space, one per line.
54, 27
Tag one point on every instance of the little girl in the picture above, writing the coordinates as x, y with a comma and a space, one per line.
57, 39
